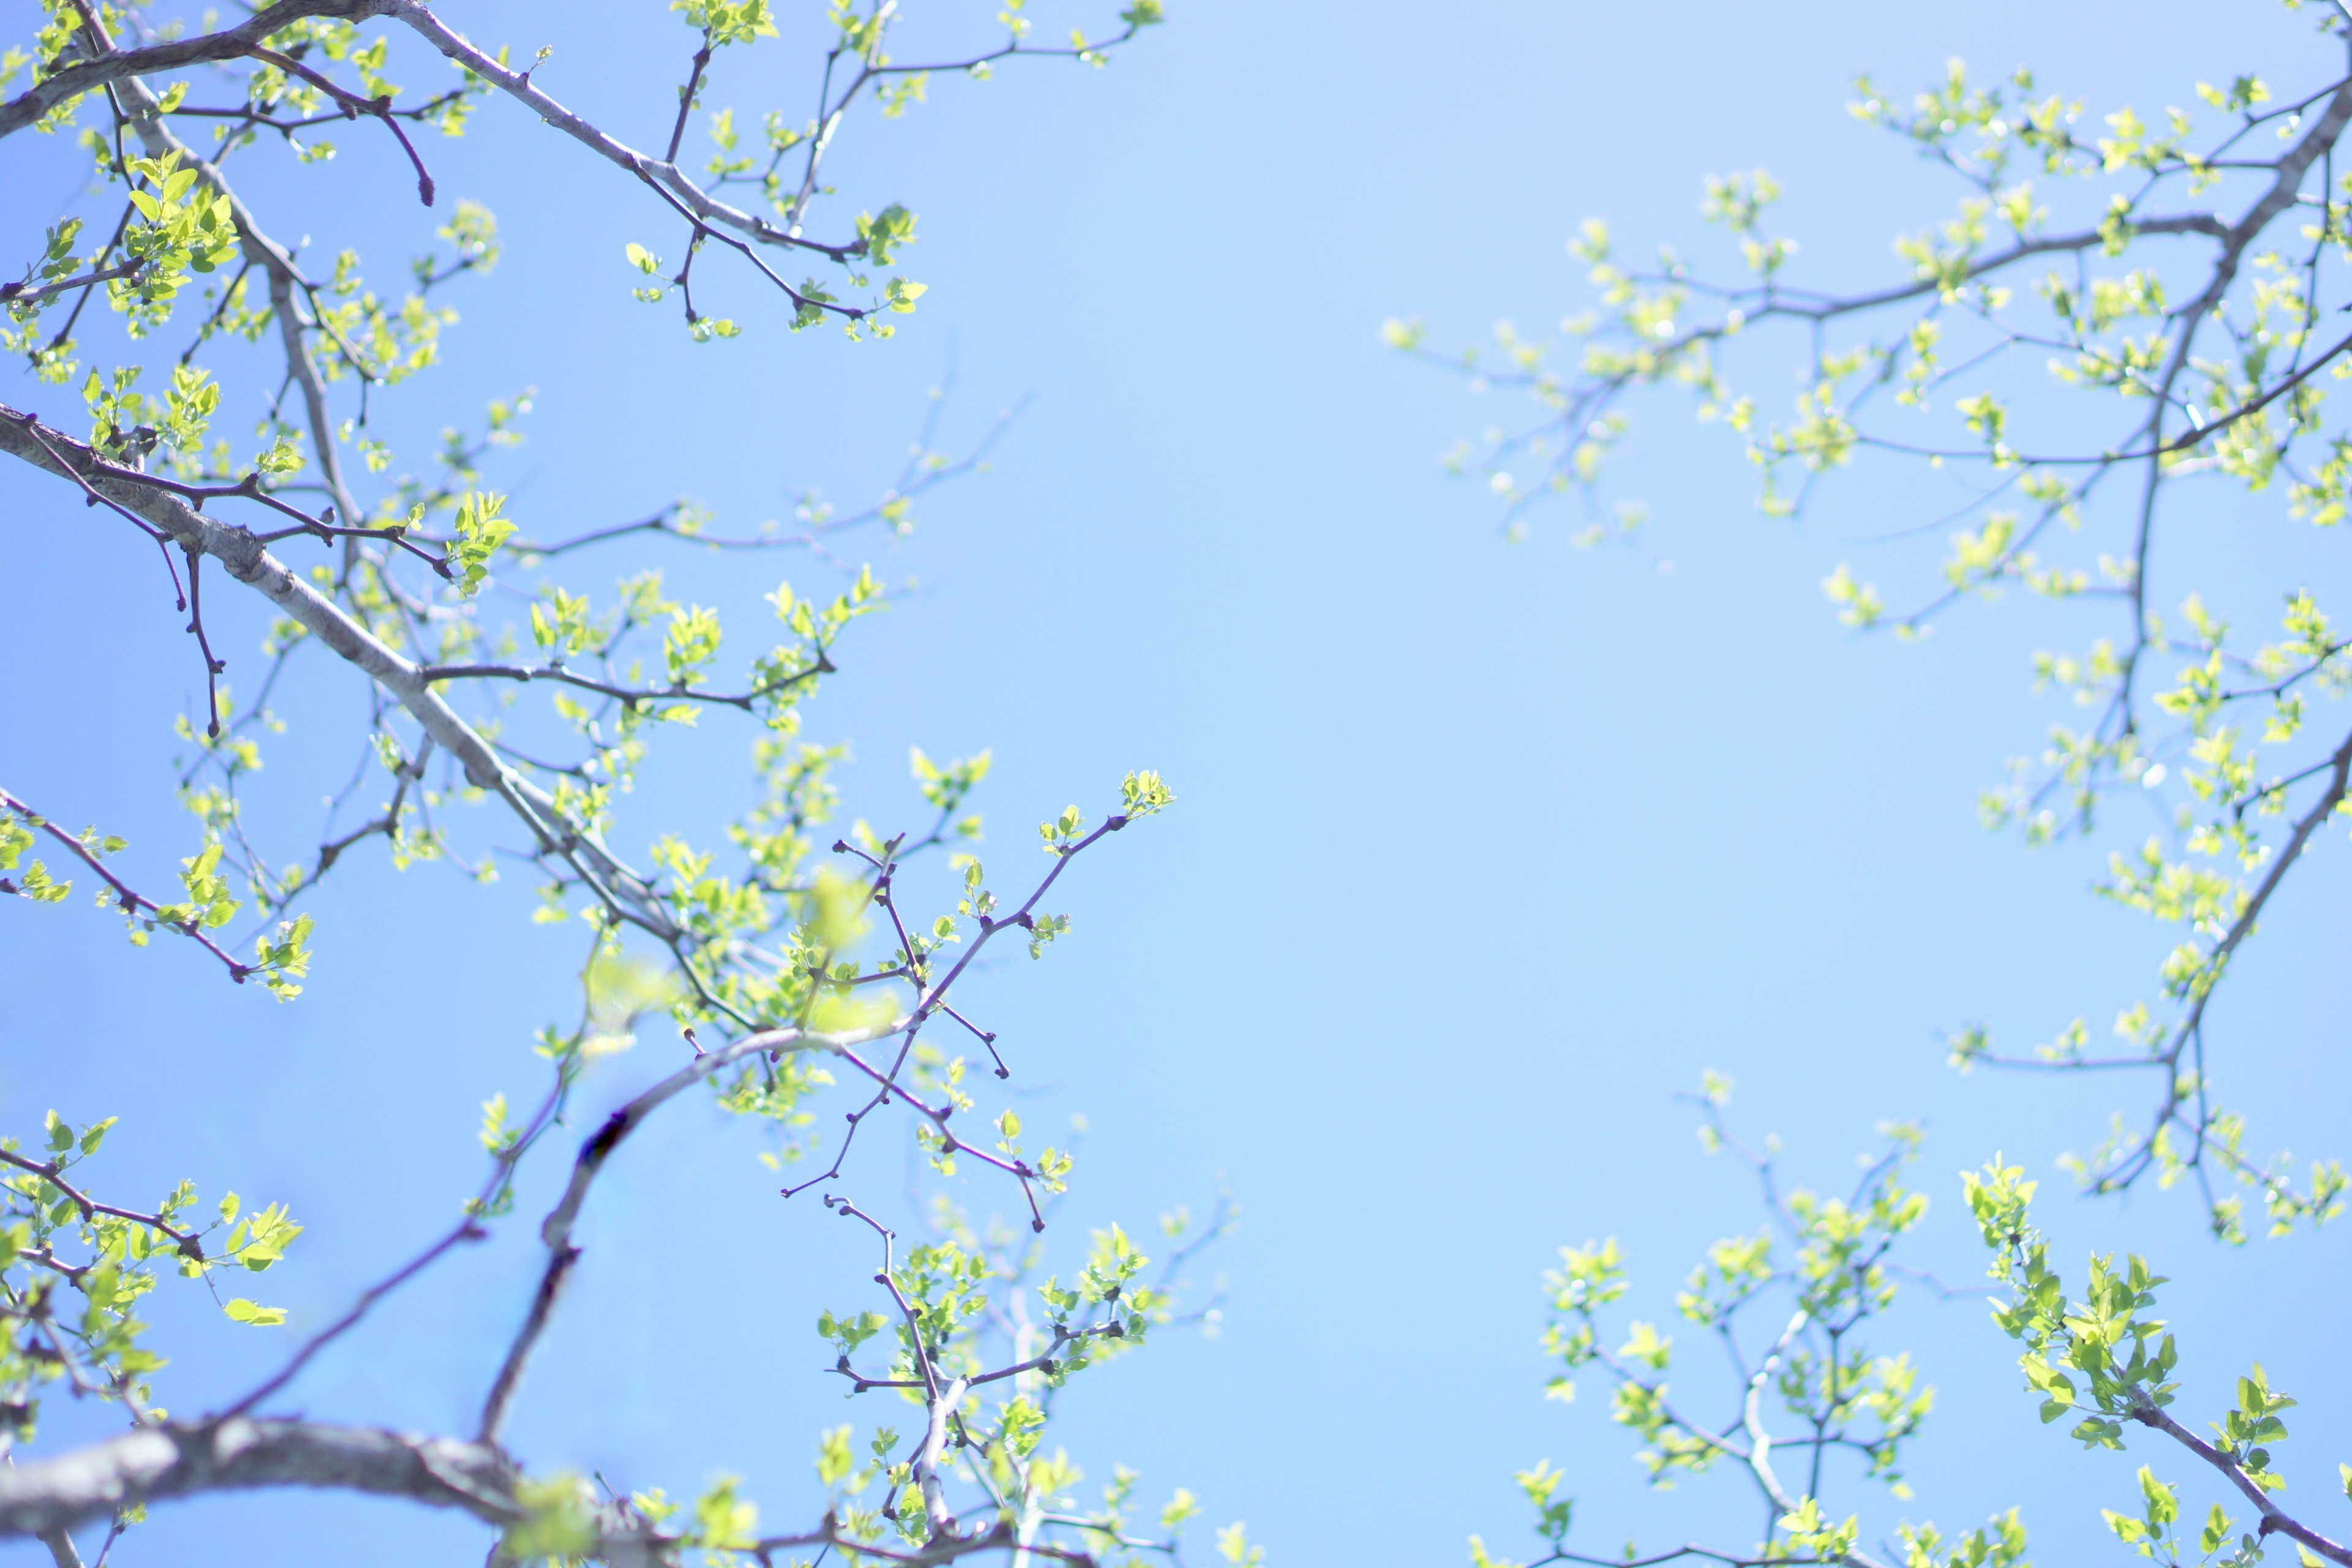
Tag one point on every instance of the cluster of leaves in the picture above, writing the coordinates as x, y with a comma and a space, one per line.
1809, 1402
960, 1302
2098, 1356
2183, 284
73, 1269
982, 1348
281, 957
785, 165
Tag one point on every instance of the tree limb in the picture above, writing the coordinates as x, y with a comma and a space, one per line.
659, 173
2273, 1521
53, 451
232, 43
153, 1463
555, 1231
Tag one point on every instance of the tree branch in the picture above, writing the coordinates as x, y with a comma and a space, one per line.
232, 42
555, 1231
660, 174
154, 1463
185, 1242
630, 695
129, 902
22, 436
2273, 1521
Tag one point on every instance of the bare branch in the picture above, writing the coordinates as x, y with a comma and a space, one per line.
555, 1231
154, 1463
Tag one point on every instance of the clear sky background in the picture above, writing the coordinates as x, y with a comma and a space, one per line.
1481, 852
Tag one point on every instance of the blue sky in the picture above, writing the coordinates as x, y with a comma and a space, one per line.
1481, 852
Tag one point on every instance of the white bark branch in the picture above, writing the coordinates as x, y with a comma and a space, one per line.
153, 1463
55, 452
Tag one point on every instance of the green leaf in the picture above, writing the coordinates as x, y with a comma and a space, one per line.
481, 529
558, 1522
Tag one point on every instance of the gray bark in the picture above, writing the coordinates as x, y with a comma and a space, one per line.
154, 1463
85, 76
